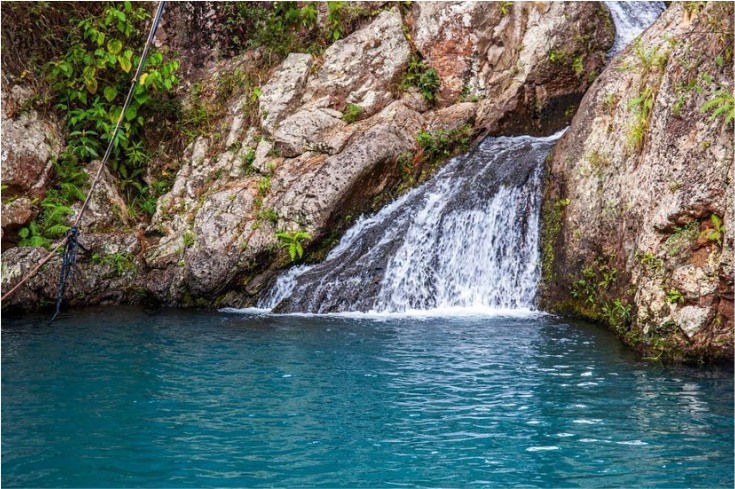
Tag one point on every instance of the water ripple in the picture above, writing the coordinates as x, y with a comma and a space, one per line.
201, 399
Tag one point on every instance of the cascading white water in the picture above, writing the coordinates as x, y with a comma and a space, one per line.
466, 238
632, 18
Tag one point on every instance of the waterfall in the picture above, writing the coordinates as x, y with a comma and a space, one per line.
632, 18
467, 238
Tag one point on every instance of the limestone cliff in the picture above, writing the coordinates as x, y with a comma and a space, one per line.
330, 136
639, 204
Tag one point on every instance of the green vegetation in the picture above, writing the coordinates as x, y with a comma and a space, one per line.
673, 296
264, 186
440, 144
291, 241
505, 8
553, 215
423, 77
642, 107
718, 230
598, 160
647, 61
119, 263
88, 83
352, 113
556, 56
682, 238
617, 314
650, 261
188, 239
269, 215
280, 28
722, 105
578, 65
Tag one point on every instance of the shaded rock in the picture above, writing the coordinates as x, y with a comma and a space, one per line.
346, 179
97, 280
502, 54
17, 213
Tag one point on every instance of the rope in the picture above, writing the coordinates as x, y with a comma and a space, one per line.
69, 261
72, 235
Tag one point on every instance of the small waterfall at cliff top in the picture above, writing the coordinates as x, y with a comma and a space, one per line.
467, 238
631, 19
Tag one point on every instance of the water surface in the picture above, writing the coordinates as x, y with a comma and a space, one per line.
123, 397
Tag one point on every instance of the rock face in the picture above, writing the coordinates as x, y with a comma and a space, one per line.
302, 164
640, 188
363, 68
29, 145
529, 62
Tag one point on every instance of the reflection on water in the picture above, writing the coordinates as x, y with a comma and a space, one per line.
121, 397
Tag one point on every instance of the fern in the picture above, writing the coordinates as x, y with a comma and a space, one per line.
722, 105
70, 192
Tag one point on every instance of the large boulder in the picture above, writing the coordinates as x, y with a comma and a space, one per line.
638, 213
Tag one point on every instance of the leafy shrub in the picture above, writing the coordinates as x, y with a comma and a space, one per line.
441, 144
292, 242
90, 81
718, 230
423, 77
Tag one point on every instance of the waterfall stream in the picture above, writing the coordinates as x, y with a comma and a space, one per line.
467, 239
631, 19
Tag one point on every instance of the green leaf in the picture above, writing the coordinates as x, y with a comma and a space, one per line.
114, 114
110, 93
24, 233
88, 72
131, 113
114, 46
716, 221
125, 64
91, 85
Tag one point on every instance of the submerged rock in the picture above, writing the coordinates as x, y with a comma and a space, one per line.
638, 212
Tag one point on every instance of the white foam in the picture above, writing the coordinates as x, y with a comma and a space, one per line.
442, 312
